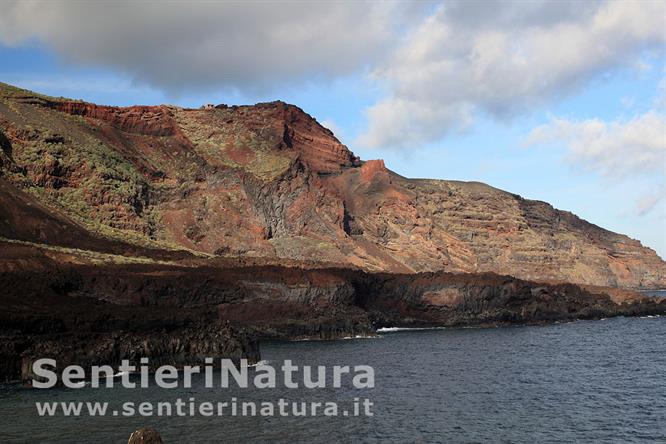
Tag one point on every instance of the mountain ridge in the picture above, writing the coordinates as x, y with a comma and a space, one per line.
269, 181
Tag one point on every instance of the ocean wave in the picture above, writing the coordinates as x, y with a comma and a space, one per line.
361, 337
396, 329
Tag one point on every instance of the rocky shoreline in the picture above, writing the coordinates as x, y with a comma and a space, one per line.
100, 314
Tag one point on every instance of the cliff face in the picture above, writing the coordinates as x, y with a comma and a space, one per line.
88, 308
268, 181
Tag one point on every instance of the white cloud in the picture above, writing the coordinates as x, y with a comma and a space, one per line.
440, 66
503, 58
623, 151
617, 149
186, 46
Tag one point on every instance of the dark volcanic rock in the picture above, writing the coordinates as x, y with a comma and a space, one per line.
43, 318
92, 315
146, 435
488, 299
178, 347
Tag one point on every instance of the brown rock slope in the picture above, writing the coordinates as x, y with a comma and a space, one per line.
268, 181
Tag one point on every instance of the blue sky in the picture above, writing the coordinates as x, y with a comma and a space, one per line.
581, 128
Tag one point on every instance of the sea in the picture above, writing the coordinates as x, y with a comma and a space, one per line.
600, 381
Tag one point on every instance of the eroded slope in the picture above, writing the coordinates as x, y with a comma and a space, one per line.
268, 181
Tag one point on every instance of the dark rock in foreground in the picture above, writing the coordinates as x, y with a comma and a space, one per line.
147, 435
94, 314
162, 346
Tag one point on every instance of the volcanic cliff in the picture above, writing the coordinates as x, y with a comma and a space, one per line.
178, 234
268, 181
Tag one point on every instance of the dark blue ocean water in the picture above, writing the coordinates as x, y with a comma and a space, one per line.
586, 381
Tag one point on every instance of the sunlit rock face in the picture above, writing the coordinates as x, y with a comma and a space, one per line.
268, 181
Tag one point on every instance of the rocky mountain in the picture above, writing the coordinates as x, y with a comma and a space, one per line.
178, 234
269, 182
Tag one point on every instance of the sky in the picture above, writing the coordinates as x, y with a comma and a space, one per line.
560, 101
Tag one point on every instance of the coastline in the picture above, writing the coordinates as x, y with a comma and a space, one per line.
176, 317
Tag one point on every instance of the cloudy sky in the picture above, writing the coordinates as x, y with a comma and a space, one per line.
557, 101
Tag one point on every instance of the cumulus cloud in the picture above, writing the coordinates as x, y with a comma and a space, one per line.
441, 64
185, 46
620, 149
502, 58
616, 149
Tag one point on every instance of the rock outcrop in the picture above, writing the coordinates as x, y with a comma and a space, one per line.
268, 181
83, 308
146, 435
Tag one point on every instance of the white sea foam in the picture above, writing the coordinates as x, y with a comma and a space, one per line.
395, 329
361, 337
338, 339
